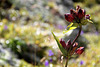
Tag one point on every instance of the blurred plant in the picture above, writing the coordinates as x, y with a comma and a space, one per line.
17, 45
77, 18
81, 62
50, 53
46, 63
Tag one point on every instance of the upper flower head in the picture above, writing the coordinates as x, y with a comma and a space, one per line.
76, 15
69, 17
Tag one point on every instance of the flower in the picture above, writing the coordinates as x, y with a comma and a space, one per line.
50, 53
69, 17
80, 50
50, 60
87, 16
81, 62
77, 15
65, 45
71, 49
74, 48
5, 27
46, 63
82, 32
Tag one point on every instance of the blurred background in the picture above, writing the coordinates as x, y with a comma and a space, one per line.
26, 39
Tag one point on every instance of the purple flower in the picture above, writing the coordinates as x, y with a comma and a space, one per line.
50, 59
82, 32
96, 33
46, 63
81, 62
60, 27
50, 53
5, 27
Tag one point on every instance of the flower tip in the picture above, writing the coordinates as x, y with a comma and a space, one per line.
78, 7
75, 44
69, 17
62, 42
81, 13
87, 16
80, 50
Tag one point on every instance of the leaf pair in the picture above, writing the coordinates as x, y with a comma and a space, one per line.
71, 27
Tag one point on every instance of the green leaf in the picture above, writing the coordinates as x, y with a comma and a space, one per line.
59, 45
84, 22
90, 21
70, 27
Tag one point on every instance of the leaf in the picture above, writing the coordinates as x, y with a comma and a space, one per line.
84, 22
90, 21
59, 45
71, 27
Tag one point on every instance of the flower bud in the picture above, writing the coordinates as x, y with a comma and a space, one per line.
80, 50
69, 17
78, 7
74, 48
63, 43
87, 16
81, 13
68, 44
73, 12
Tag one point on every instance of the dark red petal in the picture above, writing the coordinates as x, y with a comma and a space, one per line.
68, 44
81, 13
63, 43
69, 17
87, 16
80, 50
74, 48
75, 44
73, 12
78, 7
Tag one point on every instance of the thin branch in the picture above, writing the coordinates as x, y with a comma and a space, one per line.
67, 62
77, 35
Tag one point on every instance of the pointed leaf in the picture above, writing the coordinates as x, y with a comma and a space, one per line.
71, 27
90, 21
59, 45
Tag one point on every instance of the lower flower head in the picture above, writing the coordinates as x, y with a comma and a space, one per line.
80, 50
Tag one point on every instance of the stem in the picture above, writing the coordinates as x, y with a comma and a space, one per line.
77, 35
67, 62
74, 42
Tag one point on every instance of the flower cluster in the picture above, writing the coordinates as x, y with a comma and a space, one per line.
79, 18
77, 15
71, 48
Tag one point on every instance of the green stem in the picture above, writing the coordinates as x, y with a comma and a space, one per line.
73, 43
67, 62
77, 35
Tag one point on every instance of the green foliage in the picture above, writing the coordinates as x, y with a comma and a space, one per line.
16, 45
71, 27
59, 45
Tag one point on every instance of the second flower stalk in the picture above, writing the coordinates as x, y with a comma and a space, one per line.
72, 48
